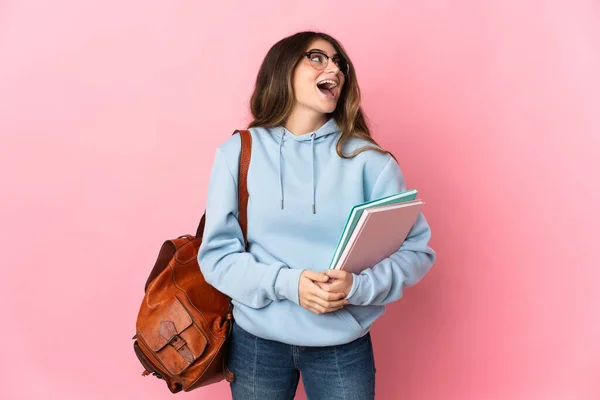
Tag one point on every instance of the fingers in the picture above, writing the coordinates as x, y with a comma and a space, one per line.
315, 286
320, 301
327, 305
336, 273
316, 291
320, 310
334, 286
315, 276
320, 306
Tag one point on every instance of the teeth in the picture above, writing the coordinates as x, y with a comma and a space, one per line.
333, 83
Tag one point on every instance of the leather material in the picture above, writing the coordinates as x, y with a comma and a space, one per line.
184, 323
243, 195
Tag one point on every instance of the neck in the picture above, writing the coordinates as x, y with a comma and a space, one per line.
301, 122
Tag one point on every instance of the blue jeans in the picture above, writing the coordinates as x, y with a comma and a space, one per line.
270, 370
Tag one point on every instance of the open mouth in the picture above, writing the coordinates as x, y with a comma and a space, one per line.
328, 88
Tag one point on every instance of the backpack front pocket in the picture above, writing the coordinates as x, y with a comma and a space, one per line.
174, 338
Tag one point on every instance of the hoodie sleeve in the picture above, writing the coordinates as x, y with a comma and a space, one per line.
222, 257
385, 281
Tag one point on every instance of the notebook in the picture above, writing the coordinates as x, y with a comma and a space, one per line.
378, 234
356, 213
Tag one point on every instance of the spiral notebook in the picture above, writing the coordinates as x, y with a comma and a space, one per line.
379, 232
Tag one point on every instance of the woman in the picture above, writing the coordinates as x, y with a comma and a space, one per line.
313, 159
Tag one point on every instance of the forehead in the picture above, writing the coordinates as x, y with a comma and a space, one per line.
322, 44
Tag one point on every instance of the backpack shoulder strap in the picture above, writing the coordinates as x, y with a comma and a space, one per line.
243, 195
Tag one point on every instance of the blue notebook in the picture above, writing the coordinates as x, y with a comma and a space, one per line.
357, 211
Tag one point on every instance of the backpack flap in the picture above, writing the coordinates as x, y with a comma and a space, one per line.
176, 342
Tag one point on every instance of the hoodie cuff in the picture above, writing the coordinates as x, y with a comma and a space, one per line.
286, 284
351, 295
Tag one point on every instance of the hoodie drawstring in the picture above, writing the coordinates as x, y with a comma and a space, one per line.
280, 177
312, 161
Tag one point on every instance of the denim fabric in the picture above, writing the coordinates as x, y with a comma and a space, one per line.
270, 370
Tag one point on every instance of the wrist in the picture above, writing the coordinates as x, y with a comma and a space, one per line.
353, 288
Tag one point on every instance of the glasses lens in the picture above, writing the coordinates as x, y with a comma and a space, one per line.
317, 60
342, 64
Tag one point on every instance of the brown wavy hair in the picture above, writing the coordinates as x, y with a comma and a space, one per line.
273, 98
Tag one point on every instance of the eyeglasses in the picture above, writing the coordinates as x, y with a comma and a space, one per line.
319, 60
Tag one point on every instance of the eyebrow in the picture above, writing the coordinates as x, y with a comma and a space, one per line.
323, 52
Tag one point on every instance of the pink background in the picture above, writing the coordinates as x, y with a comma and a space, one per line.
110, 112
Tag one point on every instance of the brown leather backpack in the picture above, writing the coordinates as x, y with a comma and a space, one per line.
184, 323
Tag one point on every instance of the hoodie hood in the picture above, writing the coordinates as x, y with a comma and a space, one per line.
329, 129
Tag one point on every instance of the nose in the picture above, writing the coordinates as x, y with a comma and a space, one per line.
332, 67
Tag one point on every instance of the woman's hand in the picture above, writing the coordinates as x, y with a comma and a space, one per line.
341, 281
315, 299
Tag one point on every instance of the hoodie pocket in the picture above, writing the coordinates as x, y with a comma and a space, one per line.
350, 321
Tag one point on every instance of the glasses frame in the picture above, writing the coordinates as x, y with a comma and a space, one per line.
308, 53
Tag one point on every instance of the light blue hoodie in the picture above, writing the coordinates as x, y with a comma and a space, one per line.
301, 193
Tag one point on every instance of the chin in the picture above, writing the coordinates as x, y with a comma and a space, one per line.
327, 109
323, 107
